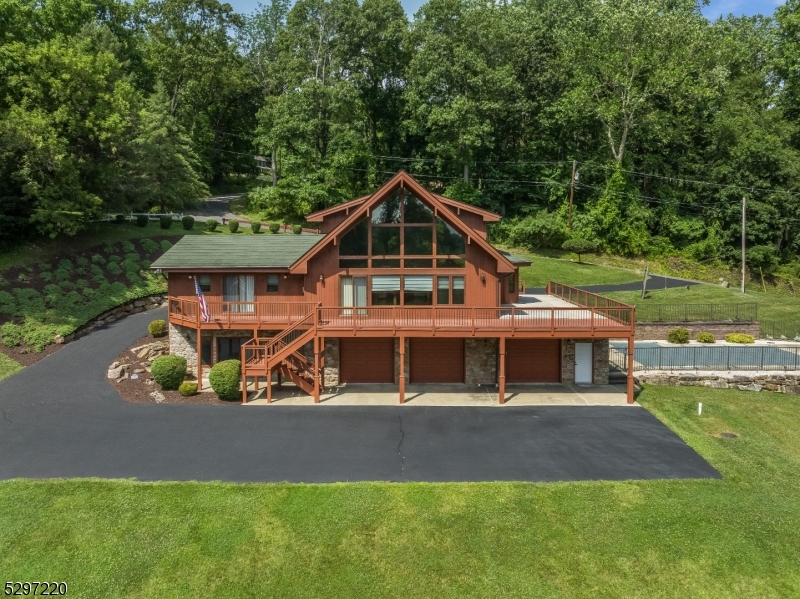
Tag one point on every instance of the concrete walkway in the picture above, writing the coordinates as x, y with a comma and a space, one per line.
61, 418
451, 395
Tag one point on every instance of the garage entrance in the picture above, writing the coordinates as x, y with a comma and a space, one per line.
533, 360
436, 360
366, 360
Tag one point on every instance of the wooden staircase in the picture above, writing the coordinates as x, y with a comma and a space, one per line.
262, 357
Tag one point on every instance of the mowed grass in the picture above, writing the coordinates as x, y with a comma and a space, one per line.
771, 306
572, 273
735, 537
8, 366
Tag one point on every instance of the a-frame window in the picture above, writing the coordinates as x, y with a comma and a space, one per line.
402, 232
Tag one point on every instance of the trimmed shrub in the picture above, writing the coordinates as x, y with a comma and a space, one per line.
188, 389
706, 338
4, 282
274, 228
98, 259
188, 223
11, 333
678, 336
225, 378
8, 305
148, 245
168, 371
142, 220
211, 225
82, 262
739, 338
46, 276
119, 219
233, 226
114, 268
22, 277
165, 222
128, 247
157, 328
297, 229
579, 246
255, 227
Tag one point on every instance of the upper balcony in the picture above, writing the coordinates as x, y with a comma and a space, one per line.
564, 312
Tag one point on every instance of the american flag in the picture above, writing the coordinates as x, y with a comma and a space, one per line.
201, 300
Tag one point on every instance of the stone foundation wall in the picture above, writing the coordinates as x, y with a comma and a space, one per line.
779, 382
331, 374
133, 307
660, 330
481, 356
599, 359
183, 342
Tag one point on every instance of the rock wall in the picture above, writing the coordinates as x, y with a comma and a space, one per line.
660, 330
779, 382
331, 371
481, 356
134, 307
183, 342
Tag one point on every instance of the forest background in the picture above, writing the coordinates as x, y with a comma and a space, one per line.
669, 120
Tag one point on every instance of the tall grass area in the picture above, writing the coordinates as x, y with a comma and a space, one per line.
735, 537
771, 306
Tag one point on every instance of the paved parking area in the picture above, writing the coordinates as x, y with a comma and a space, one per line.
60, 418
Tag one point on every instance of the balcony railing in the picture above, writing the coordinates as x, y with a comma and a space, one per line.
417, 318
584, 299
183, 311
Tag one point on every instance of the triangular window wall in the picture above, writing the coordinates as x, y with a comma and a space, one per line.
402, 232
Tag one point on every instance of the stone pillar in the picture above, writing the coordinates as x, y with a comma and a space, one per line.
331, 371
183, 342
568, 361
600, 361
481, 361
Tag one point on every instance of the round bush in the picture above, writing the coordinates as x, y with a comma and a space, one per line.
274, 228
706, 338
233, 226
166, 222
168, 371
678, 336
255, 227
142, 220
119, 218
188, 389
297, 229
187, 222
739, 338
211, 225
225, 378
157, 328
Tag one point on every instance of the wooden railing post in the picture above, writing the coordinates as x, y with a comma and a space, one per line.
501, 375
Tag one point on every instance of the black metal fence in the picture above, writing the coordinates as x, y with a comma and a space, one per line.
747, 312
780, 330
708, 358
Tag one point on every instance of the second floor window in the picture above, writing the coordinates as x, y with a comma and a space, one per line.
272, 283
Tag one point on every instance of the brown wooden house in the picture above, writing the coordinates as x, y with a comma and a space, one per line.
399, 286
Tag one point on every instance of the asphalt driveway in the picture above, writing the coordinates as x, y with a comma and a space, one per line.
60, 418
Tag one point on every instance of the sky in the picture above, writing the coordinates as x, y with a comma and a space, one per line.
712, 11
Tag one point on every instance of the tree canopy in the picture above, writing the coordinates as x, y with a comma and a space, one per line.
672, 119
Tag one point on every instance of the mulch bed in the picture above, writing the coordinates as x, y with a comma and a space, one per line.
139, 390
25, 356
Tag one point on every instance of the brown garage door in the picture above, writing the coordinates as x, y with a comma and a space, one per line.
437, 360
366, 360
533, 360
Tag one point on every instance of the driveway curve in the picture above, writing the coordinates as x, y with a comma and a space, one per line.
60, 418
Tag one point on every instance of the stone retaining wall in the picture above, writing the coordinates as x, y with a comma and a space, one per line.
133, 307
779, 382
481, 357
660, 330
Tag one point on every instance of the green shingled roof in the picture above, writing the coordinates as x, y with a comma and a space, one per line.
514, 259
237, 251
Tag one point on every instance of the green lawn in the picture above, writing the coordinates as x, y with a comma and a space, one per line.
571, 273
7, 366
735, 537
771, 306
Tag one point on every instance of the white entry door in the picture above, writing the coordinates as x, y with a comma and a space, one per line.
583, 363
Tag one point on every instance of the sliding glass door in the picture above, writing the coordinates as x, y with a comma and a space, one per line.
239, 288
353, 293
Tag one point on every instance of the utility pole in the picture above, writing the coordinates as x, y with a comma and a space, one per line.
571, 193
744, 225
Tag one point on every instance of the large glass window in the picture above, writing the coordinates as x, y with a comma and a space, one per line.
418, 290
239, 288
385, 241
448, 240
512, 283
389, 211
386, 290
414, 211
418, 241
354, 242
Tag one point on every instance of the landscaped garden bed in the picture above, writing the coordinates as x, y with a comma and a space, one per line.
130, 375
42, 305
